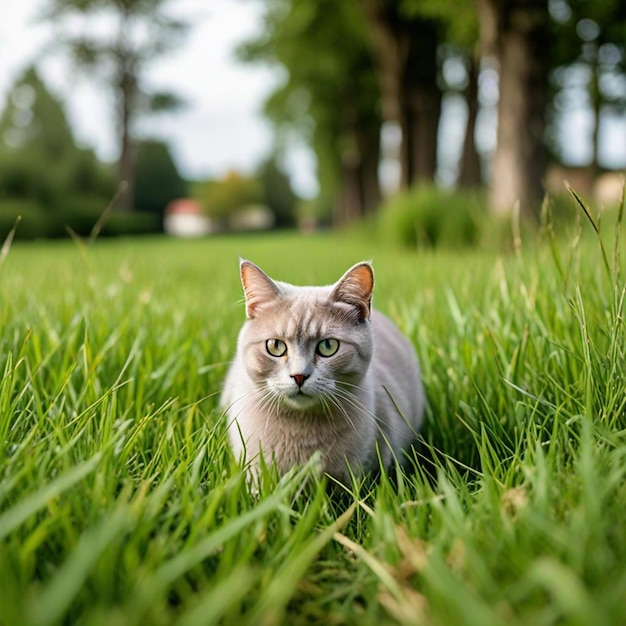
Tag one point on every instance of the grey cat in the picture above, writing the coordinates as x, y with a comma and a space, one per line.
318, 371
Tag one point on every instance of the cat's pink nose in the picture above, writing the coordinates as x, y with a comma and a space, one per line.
299, 378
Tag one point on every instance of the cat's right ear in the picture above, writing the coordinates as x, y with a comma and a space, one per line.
258, 287
355, 288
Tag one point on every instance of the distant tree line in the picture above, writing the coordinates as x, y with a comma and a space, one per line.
355, 73
356, 66
57, 187
140, 33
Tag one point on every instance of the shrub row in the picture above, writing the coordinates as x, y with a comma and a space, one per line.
429, 217
426, 216
79, 215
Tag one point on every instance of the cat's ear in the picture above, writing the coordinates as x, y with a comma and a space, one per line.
258, 287
355, 288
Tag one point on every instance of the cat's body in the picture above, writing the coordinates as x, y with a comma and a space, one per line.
317, 371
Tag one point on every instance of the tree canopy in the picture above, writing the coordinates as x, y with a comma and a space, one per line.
157, 180
140, 32
328, 95
353, 67
41, 163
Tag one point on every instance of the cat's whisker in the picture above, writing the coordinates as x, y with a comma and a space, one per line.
337, 403
358, 404
328, 412
268, 401
353, 402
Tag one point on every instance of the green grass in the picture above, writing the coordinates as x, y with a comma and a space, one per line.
121, 504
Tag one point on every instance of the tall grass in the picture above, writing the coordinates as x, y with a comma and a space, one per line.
120, 502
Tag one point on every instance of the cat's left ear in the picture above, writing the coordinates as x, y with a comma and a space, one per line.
355, 288
258, 287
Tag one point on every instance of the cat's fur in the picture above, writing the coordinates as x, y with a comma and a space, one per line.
363, 402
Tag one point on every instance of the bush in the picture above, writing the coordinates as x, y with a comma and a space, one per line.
157, 181
34, 222
561, 213
431, 217
221, 198
80, 214
277, 193
135, 223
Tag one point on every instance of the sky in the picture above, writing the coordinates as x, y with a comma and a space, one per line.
221, 127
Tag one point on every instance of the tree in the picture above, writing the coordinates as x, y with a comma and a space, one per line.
405, 44
457, 23
516, 33
157, 181
142, 32
589, 48
221, 198
277, 193
329, 96
41, 162
33, 118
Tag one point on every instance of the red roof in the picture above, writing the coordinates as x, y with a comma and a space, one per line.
183, 206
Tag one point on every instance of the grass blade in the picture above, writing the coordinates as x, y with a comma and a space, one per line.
56, 598
20, 512
605, 259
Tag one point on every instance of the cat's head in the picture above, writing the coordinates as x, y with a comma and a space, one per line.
306, 346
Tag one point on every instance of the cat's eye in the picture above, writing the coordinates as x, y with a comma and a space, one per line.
327, 347
276, 347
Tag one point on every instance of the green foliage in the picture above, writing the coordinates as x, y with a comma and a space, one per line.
28, 174
79, 216
430, 217
46, 180
235, 191
129, 224
39, 159
34, 119
140, 32
277, 193
157, 181
121, 503
44, 176
459, 20
330, 94
33, 223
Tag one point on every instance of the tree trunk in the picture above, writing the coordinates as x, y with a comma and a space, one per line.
426, 113
126, 93
390, 51
469, 168
424, 98
596, 104
126, 163
406, 57
359, 156
369, 148
349, 208
405, 154
522, 51
359, 192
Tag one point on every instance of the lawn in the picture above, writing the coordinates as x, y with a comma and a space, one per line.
121, 504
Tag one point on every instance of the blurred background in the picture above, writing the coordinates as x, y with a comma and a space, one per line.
420, 118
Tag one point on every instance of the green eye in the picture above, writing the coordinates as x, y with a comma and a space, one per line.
276, 347
327, 347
